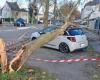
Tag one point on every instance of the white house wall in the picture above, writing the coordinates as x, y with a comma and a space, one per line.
88, 9
6, 12
96, 12
92, 24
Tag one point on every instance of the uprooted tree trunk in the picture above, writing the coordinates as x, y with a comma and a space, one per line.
3, 56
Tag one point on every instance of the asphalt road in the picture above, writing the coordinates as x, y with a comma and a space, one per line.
17, 33
63, 71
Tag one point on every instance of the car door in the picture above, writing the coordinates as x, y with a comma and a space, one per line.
53, 43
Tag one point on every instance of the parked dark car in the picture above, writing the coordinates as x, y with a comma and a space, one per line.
19, 22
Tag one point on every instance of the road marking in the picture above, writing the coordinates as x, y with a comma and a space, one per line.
17, 29
21, 28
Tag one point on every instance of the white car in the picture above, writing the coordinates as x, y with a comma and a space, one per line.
43, 31
72, 39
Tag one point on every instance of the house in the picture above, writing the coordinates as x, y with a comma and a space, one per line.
0, 13
12, 10
90, 13
41, 16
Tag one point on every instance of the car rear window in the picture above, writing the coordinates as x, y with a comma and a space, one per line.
73, 32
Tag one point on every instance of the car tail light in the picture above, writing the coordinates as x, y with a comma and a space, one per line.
73, 39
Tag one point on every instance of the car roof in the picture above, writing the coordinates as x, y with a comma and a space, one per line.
73, 28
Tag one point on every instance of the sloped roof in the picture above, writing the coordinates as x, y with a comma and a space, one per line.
14, 6
92, 3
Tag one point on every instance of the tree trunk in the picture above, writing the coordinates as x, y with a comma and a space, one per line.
55, 7
3, 56
46, 13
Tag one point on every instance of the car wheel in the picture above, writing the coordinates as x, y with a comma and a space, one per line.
63, 47
33, 38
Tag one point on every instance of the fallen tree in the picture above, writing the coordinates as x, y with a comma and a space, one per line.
32, 46
27, 49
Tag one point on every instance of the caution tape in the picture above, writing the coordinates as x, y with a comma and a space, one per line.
68, 60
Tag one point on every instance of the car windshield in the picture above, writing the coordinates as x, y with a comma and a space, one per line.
49, 29
73, 32
20, 20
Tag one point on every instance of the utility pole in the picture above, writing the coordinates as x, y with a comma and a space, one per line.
46, 13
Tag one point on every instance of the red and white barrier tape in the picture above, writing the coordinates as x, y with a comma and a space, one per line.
68, 60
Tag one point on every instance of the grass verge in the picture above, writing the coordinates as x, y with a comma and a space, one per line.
27, 74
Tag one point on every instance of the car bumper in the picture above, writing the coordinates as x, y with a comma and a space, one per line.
77, 46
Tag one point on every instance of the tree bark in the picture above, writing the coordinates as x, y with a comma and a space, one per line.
46, 13
3, 56
55, 7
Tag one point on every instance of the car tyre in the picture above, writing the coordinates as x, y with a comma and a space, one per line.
33, 38
63, 47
